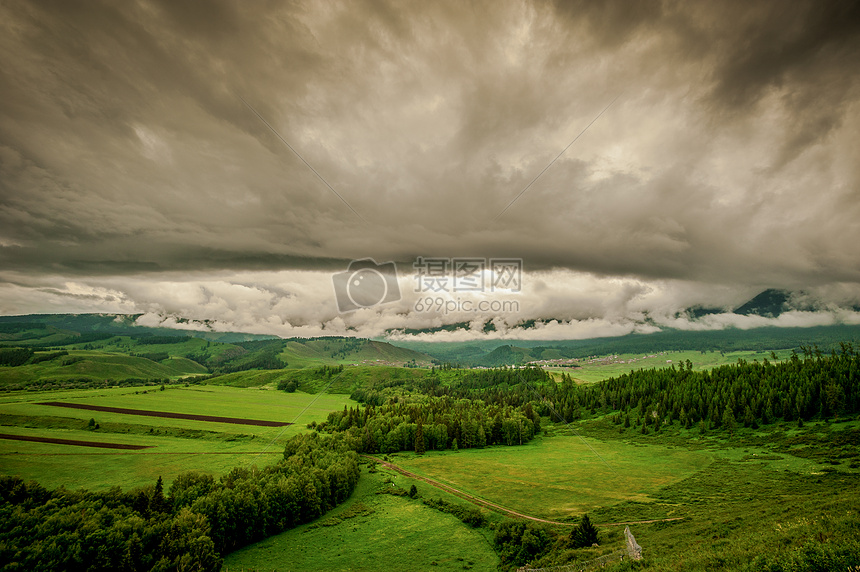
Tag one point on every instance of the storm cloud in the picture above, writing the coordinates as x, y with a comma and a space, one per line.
143, 165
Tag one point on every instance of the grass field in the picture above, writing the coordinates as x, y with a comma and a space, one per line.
604, 367
179, 444
371, 532
734, 510
733, 496
252, 378
558, 477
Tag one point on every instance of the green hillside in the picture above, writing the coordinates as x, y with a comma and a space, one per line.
91, 365
505, 355
336, 351
348, 379
40, 330
82, 350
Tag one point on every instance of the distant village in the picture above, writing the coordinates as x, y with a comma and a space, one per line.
592, 360
559, 362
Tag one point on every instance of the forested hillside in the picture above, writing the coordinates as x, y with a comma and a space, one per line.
483, 407
803, 387
105, 359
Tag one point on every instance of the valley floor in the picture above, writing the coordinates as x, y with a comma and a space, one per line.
697, 503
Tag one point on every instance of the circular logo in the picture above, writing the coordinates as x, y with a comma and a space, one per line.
366, 287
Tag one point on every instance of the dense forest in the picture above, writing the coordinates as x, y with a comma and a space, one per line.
442, 410
190, 528
748, 393
433, 423
472, 405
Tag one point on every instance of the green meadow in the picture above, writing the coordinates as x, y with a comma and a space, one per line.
178, 445
753, 502
559, 477
728, 498
372, 532
602, 367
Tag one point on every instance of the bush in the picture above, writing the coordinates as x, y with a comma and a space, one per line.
469, 515
48, 357
518, 543
811, 557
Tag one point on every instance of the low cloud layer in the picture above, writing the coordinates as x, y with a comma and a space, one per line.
133, 178
551, 305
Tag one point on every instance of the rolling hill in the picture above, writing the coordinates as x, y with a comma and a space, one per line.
69, 350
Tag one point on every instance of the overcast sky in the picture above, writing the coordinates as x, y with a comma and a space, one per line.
719, 157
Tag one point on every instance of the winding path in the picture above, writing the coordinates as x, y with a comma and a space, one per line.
493, 506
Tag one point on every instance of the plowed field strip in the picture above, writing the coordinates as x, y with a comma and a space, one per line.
144, 453
167, 414
76, 442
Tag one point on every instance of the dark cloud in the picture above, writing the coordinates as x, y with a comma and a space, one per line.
768, 47
727, 158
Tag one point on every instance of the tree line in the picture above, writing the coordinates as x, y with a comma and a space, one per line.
423, 423
813, 385
502, 386
20, 356
808, 385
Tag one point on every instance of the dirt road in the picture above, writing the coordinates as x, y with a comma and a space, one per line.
493, 506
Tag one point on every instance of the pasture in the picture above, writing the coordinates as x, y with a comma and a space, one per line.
372, 532
731, 497
598, 368
558, 477
177, 445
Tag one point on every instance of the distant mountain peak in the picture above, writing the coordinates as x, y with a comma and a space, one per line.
769, 304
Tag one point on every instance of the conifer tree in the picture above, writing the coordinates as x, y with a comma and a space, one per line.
585, 534
157, 502
729, 420
420, 446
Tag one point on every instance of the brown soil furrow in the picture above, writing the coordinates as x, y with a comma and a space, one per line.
167, 414
76, 442
146, 453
